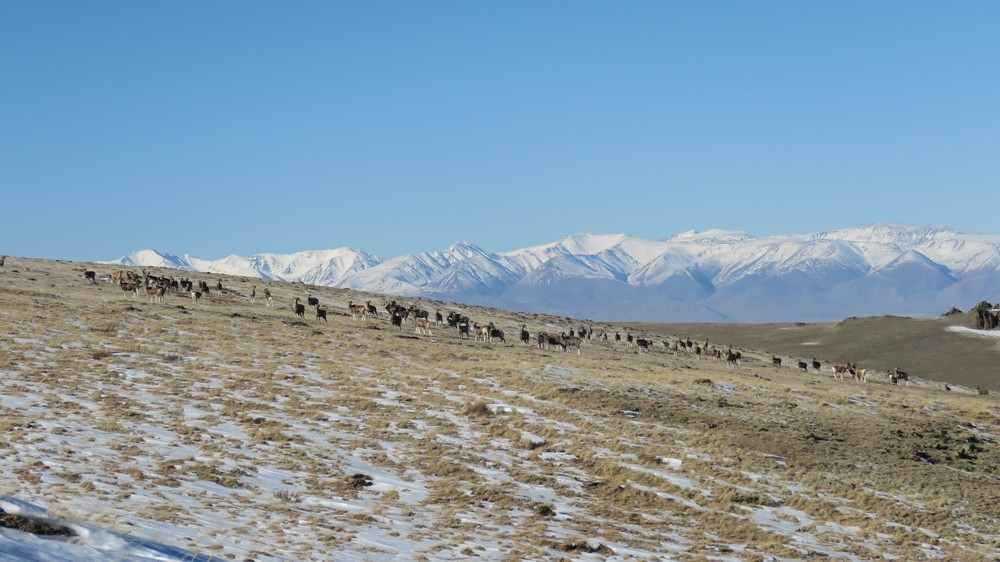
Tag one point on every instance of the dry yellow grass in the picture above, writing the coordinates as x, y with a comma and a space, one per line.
261, 436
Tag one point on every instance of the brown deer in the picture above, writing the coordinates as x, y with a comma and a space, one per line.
357, 311
155, 293
733, 358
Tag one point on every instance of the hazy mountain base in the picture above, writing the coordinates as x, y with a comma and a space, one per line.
752, 300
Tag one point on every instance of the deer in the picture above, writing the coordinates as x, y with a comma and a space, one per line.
496, 333
357, 311
155, 294
483, 333
733, 358
571, 342
556, 341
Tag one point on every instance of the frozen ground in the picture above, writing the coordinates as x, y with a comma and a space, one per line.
974, 332
238, 432
43, 537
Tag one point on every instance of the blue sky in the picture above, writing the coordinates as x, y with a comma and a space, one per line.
235, 127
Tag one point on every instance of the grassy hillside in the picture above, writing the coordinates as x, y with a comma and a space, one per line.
920, 346
238, 430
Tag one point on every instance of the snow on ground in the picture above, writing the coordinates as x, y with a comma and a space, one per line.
52, 539
974, 332
229, 430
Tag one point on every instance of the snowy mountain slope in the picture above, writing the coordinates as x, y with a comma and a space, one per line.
958, 251
459, 268
527, 259
317, 267
152, 258
693, 275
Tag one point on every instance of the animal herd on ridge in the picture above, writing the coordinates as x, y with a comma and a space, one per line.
156, 288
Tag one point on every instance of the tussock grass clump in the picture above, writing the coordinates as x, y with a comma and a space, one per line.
211, 473
105, 328
477, 409
33, 525
544, 510
288, 496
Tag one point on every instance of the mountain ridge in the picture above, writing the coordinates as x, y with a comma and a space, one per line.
690, 276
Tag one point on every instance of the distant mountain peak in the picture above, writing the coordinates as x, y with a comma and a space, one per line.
463, 246
915, 258
712, 234
904, 236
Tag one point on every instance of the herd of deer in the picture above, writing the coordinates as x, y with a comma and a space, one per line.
156, 287
841, 372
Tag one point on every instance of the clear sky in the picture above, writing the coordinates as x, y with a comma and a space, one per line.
234, 127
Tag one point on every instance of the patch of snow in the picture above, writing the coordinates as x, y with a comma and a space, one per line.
88, 543
974, 332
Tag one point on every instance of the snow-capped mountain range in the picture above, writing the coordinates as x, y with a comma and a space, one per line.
708, 275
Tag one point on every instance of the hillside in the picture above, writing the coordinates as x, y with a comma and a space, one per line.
234, 429
714, 275
928, 347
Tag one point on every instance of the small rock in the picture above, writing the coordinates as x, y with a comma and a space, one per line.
358, 481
